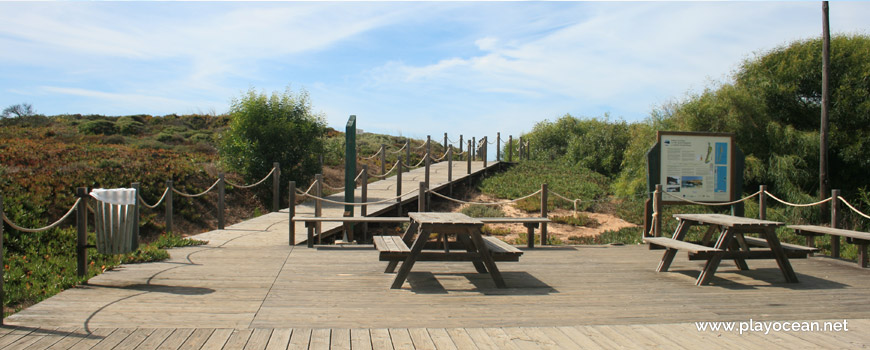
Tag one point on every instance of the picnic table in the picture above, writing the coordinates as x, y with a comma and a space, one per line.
467, 237
732, 243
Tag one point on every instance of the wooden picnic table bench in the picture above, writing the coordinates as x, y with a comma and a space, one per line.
732, 243
530, 223
859, 238
469, 245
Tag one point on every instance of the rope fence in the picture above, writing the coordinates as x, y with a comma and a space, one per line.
391, 200
198, 194
381, 176
486, 203
798, 205
852, 207
53, 225
254, 184
714, 204
145, 204
400, 149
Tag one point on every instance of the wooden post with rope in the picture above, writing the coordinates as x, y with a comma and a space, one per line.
292, 200
544, 195
835, 223
168, 216
276, 186
222, 184
363, 211
82, 232
510, 148
399, 186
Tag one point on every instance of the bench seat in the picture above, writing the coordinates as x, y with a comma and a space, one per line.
671, 243
859, 238
394, 248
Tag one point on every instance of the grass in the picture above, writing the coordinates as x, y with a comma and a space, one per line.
482, 211
523, 239
577, 219
626, 235
526, 177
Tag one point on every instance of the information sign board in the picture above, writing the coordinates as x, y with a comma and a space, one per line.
697, 166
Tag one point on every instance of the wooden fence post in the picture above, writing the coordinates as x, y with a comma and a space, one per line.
460, 143
473, 149
168, 206
835, 223
421, 198
399, 186
762, 202
520, 151
468, 157
510, 148
82, 231
276, 186
383, 153
408, 153
657, 212
498, 146
292, 209
318, 205
445, 142
450, 170
544, 195
485, 146
364, 193
428, 159
221, 200
135, 239
528, 149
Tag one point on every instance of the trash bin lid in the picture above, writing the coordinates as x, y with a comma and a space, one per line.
119, 196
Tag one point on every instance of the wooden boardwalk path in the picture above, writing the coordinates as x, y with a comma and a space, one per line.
386, 189
247, 289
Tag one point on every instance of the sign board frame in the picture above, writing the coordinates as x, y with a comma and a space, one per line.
714, 142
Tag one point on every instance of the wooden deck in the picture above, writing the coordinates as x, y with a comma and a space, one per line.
385, 189
248, 289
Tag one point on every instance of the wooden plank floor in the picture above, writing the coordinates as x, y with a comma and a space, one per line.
664, 336
248, 289
381, 190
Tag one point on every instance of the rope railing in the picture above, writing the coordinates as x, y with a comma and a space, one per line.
388, 200
852, 207
400, 149
439, 159
381, 176
198, 194
145, 204
53, 225
331, 187
373, 155
419, 147
715, 204
358, 176
308, 190
251, 185
798, 205
486, 203
420, 162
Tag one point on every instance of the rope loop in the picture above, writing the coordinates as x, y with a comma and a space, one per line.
251, 185
486, 203
198, 194
798, 205
142, 201
852, 207
53, 225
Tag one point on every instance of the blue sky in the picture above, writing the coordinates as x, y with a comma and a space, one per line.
404, 68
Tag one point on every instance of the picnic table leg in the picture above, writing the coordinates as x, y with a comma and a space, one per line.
402, 275
487, 259
668, 256
531, 234
781, 258
724, 241
862, 252
407, 236
470, 247
310, 226
739, 243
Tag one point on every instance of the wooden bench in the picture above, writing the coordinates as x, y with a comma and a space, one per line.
394, 248
859, 238
310, 222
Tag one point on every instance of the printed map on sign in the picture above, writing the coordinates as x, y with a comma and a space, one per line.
697, 167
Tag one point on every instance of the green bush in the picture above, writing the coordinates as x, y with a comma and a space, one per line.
130, 126
99, 126
167, 137
278, 128
113, 140
578, 219
482, 211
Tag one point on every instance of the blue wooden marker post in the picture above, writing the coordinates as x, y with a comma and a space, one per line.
349, 164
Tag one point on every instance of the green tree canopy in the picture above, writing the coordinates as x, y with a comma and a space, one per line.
773, 105
279, 128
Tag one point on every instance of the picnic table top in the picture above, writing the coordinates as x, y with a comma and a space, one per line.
727, 220
444, 218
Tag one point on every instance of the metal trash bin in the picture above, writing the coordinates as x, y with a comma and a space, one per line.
115, 223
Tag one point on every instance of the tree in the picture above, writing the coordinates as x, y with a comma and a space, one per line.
19, 110
278, 128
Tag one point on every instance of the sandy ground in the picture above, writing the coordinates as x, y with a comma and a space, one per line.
606, 222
